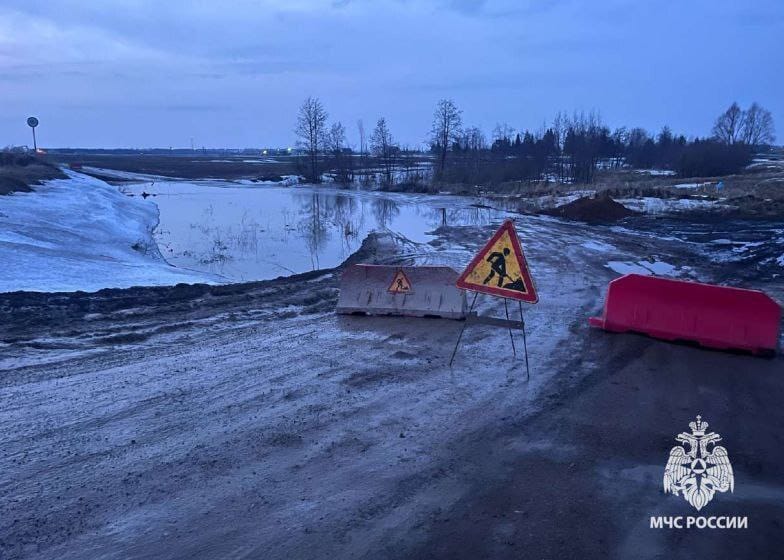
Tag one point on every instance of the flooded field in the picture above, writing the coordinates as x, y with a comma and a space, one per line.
256, 233
242, 232
219, 231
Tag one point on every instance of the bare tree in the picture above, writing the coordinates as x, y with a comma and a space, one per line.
336, 138
383, 147
341, 161
620, 138
472, 145
560, 126
503, 132
362, 139
446, 129
310, 131
757, 126
473, 139
729, 125
364, 176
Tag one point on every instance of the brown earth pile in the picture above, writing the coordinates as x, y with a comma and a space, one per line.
599, 209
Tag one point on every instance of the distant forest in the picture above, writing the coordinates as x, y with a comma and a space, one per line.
571, 149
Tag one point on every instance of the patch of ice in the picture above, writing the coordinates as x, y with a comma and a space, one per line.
646, 268
598, 246
660, 268
743, 247
780, 260
82, 234
627, 268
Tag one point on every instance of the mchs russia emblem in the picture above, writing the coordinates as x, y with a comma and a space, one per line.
698, 468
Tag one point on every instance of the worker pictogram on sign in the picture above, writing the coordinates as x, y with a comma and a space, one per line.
500, 269
400, 284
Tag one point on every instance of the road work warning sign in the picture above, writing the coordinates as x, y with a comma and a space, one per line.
500, 269
400, 284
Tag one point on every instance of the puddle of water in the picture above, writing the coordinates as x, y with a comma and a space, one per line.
256, 233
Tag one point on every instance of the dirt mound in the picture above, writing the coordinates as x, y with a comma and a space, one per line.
599, 209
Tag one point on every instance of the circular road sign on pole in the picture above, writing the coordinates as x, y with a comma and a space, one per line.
32, 122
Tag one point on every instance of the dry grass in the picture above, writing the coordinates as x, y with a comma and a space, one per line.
16, 178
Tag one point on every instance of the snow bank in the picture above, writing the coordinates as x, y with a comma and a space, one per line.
125, 175
652, 205
691, 185
286, 181
656, 172
82, 234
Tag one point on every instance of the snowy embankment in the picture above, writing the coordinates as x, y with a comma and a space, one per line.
82, 234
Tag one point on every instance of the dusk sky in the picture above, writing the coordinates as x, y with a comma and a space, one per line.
232, 74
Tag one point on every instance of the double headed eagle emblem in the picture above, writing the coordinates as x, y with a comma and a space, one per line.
701, 470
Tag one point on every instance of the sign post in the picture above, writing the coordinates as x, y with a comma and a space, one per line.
32, 122
499, 269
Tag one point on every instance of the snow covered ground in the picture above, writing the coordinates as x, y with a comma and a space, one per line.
82, 234
656, 172
692, 185
652, 205
287, 181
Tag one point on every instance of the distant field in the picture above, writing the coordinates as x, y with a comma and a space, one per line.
186, 167
211, 166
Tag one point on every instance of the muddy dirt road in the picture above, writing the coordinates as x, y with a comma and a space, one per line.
249, 421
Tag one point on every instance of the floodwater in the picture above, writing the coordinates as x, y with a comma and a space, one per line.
246, 232
257, 232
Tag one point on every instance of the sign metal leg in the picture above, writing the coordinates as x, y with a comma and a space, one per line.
462, 330
506, 308
525, 344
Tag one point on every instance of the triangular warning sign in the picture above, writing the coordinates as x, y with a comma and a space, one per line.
400, 283
499, 268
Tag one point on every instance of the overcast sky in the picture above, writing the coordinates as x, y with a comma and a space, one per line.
135, 73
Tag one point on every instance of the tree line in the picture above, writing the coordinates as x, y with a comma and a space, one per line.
570, 149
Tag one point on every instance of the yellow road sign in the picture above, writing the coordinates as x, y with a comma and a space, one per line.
400, 284
500, 269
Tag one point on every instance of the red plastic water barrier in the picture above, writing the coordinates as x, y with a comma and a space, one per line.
713, 316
